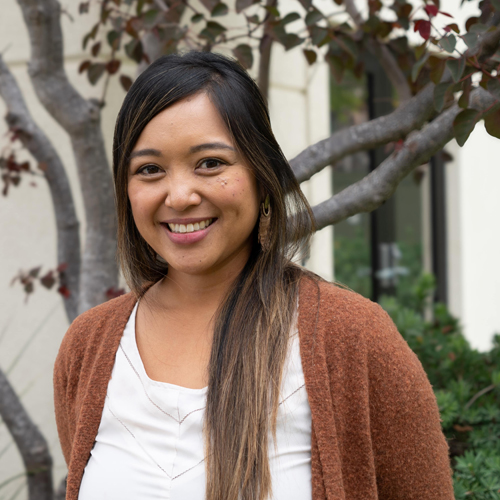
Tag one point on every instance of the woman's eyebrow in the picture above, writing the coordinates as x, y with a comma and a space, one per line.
210, 145
144, 152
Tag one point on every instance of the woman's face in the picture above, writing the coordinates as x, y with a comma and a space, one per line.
194, 199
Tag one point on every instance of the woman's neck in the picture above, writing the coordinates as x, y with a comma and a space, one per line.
181, 291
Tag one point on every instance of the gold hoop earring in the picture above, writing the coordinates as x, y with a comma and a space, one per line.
264, 225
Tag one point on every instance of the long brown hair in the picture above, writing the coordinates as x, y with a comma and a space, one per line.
253, 323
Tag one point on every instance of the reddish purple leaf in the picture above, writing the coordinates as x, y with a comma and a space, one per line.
126, 82
96, 49
62, 267
48, 280
424, 28
84, 66
113, 66
431, 10
64, 291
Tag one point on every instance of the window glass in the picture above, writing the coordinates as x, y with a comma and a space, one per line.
392, 238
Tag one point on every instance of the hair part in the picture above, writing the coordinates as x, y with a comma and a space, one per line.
253, 324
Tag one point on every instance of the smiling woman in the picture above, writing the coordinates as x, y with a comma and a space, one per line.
229, 372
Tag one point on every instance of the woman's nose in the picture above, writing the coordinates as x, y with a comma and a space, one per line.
182, 194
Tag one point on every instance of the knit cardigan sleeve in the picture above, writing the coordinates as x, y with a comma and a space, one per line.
410, 450
386, 420
66, 368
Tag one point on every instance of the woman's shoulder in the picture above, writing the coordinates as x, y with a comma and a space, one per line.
336, 301
105, 314
345, 318
349, 330
95, 326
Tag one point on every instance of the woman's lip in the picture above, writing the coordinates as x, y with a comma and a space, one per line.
191, 220
187, 238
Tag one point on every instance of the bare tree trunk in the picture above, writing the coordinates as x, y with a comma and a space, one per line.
37, 143
80, 118
30, 443
265, 47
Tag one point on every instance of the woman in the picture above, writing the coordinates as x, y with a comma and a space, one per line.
229, 372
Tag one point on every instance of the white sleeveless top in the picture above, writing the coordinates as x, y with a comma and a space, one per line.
150, 443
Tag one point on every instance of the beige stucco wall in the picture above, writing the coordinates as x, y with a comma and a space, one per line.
473, 215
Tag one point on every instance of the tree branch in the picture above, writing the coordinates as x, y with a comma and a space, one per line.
153, 46
371, 191
161, 5
397, 125
353, 11
478, 395
377, 132
30, 443
392, 70
81, 120
384, 56
36, 142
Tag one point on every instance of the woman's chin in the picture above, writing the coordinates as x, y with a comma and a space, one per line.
190, 266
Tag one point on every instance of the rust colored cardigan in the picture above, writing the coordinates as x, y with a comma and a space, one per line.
376, 432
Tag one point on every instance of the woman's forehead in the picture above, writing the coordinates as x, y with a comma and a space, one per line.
194, 119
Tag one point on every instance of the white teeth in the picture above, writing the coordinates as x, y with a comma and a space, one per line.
189, 228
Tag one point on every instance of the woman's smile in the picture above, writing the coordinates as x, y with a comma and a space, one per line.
189, 225
194, 198
188, 232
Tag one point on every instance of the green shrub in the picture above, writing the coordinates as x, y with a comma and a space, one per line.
467, 387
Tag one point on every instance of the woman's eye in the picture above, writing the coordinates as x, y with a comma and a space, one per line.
210, 163
148, 170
